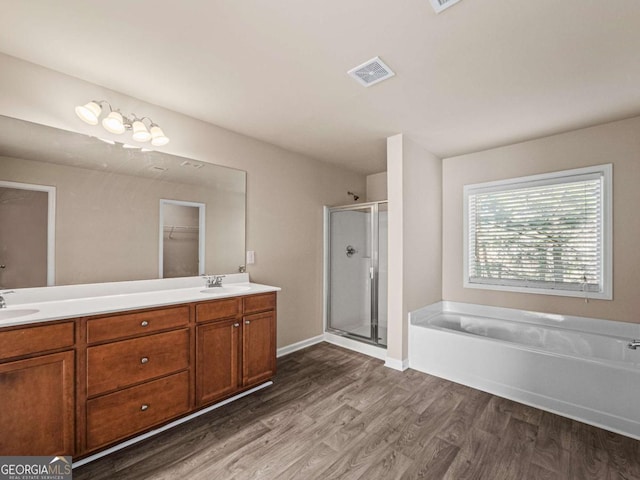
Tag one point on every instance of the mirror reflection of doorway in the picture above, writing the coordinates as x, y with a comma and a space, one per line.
27, 226
181, 239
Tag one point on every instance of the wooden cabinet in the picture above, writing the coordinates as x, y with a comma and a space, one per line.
134, 384
217, 360
37, 402
218, 309
78, 386
120, 364
114, 327
234, 351
16, 342
123, 413
258, 347
259, 303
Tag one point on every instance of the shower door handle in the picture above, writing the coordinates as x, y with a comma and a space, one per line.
371, 273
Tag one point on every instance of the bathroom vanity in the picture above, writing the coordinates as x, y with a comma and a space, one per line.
78, 385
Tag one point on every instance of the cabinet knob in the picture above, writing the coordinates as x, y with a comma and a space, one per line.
144, 323
144, 360
236, 325
247, 322
144, 407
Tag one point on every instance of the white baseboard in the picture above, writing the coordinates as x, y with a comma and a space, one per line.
396, 364
360, 347
299, 345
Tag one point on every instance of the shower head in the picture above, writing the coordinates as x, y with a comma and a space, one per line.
355, 197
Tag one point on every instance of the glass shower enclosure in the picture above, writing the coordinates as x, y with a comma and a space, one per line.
356, 272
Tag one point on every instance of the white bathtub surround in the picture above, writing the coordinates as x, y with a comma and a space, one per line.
574, 366
72, 301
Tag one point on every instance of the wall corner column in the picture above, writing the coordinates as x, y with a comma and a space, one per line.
396, 353
414, 183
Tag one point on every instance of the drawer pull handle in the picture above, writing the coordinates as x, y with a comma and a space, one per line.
247, 322
144, 407
144, 360
236, 325
144, 323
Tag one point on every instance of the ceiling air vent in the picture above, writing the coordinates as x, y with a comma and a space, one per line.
440, 5
371, 72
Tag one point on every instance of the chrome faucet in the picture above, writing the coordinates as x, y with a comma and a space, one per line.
633, 344
3, 303
213, 280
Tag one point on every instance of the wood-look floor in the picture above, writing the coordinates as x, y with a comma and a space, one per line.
336, 414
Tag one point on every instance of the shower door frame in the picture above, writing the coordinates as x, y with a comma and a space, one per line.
373, 208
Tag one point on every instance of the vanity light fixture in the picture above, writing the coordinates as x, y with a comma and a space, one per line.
143, 128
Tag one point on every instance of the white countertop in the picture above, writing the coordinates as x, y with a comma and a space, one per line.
63, 305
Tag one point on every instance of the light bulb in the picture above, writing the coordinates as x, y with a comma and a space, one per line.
113, 123
140, 132
158, 138
89, 113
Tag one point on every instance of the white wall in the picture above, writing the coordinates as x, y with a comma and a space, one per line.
285, 190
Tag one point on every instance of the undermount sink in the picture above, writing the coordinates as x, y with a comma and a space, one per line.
226, 289
8, 314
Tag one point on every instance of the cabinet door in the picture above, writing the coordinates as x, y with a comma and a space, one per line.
37, 406
258, 348
217, 360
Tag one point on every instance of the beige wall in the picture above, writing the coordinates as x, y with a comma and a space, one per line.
414, 179
285, 190
377, 187
617, 143
422, 226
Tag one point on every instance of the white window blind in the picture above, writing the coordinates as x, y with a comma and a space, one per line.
545, 233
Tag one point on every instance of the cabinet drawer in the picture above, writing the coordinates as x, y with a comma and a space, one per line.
25, 341
218, 309
259, 303
130, 324
124, 413
120, 364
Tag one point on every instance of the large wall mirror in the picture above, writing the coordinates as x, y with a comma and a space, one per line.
108, 209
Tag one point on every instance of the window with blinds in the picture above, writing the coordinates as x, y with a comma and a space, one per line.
541, 234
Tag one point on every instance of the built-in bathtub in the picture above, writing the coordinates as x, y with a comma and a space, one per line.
578, 367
